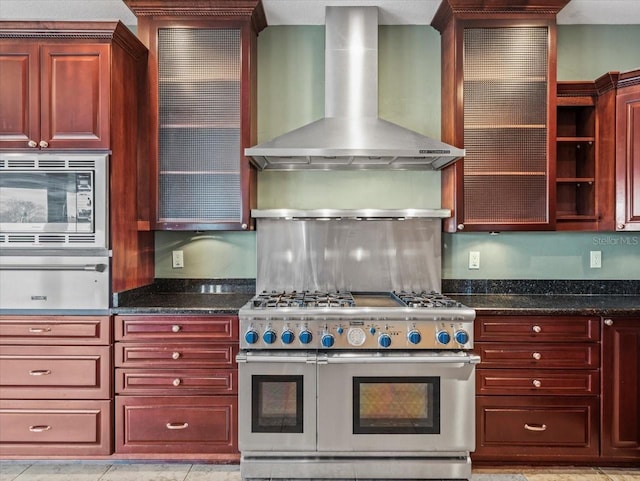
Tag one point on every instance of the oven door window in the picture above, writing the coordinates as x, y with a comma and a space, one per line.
46, 202
396, 405
277, 405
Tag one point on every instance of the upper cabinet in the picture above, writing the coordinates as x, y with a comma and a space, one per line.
203, 110
585, 152
55, 94
498, 102
628, 152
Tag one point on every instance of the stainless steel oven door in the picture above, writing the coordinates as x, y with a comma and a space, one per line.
396, 402
277, 401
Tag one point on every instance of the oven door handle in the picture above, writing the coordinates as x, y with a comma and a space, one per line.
54, 267
369, 359
251, 357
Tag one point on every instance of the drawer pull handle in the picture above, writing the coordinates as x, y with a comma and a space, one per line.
39, 330
608, 322
176, 382
39, 429
537, 383
40, 372
177, 425
537, 356
536, 329
175, 328
535, 427
175, 355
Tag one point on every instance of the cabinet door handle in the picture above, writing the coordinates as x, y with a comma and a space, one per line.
536, 329
175, 355
32, 143
535, 427
177, 425
608, 322
44, 144
39, 330
537, 356
39, 429
40, 372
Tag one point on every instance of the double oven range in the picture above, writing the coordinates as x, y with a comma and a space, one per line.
347, 377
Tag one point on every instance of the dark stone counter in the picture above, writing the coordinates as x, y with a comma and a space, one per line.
186, 296
588, 305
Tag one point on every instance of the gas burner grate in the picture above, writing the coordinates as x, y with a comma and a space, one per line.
275, 299
426, 299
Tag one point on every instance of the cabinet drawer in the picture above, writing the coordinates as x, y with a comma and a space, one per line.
537, 382
55, 330
532, 427
174, 355
567, 356
176, 328
55, 372
176, 381
537, 328
44, 428
194, 424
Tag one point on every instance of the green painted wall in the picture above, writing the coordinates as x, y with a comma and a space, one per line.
291, 94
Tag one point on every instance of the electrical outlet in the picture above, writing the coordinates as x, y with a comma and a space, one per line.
177, 259
595, 259
474, 260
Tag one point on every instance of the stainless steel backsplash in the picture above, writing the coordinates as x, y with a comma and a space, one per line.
349, 254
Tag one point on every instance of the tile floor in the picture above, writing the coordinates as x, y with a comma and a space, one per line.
96, 471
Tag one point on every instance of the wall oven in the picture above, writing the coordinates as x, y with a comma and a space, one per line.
54, 231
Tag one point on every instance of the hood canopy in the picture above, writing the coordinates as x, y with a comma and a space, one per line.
351, 136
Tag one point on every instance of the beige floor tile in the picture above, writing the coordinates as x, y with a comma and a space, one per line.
63, 472
146, 472
622, 474
564, 474
211, 472
10, 470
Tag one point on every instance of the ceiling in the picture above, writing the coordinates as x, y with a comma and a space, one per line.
311, 12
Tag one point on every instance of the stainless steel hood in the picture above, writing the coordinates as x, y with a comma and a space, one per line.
351, 136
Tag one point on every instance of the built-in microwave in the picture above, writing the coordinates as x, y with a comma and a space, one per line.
53, 201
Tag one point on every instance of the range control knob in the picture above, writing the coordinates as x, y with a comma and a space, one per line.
287, 337
340, 330
414, 336
384, 340
305, 337
327, 340
461, 336
269, 336
443, 337
372, 330
251, 336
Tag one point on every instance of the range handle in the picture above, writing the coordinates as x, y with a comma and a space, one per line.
462, 359
244, 357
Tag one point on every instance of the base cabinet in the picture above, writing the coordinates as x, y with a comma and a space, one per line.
537, 388
55, 386
620, 430
176, 387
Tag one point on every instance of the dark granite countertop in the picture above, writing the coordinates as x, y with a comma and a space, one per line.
186, 296
546, 304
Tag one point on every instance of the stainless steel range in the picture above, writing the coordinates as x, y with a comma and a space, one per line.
352, 365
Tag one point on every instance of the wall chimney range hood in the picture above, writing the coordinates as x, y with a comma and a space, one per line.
351, 136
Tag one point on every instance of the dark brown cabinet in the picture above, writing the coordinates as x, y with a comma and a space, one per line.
176, 386
80, 86
620, 431
628, 152
203, 110
585, 154
498, 102
537, 389
55, 386
54, 95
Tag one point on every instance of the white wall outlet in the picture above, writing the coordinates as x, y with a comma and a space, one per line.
177, 259
595, 259
474, 260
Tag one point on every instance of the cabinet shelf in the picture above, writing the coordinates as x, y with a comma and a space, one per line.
575, 139
503, 126
561, 216
471, 173
212, 126
573, 180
